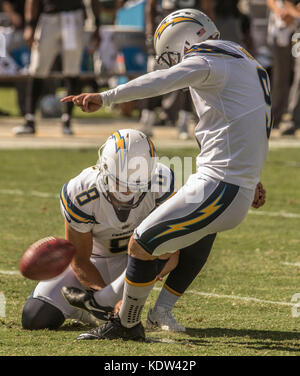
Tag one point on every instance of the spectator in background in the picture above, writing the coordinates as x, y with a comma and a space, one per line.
15, 12
228, 20
55, 27
178, 105
280, 29
108, 9
258, 14
292, 124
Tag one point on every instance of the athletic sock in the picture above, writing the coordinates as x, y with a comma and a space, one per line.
134, 298
139, 281
33, 92
73, 88
166, 299
191, 261
30, 120
111, 294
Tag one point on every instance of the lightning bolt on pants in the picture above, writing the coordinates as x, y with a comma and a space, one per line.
201, 207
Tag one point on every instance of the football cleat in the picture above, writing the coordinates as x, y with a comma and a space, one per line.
183, 136
66, 128
288, 131
24, 130
67, 131
113, 329
83, 299
162, 318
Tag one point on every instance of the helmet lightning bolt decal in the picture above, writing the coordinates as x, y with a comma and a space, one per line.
120, 145
172, 22
152, 148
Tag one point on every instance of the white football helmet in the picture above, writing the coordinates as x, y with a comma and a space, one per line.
179, 31
127, 162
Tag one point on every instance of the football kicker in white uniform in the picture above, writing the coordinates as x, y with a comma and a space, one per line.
104, 216
231, 94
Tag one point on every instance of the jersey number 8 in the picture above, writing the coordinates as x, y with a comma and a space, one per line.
119, 245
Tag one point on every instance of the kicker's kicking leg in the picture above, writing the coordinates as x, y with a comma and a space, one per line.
140, 278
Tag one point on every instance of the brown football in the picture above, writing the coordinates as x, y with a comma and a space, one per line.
46, 258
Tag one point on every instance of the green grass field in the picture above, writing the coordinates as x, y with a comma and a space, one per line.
240, 304
9, 102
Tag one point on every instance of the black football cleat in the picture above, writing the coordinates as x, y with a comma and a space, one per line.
113, 329
83, 299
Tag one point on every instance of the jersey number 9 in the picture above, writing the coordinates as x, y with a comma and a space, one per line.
265, 84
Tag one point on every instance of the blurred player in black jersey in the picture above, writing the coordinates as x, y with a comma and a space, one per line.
54, 27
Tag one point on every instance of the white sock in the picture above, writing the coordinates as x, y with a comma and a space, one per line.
134, 298
148, 117
65, 117
111, 294
183, 118
30, 117
166, 299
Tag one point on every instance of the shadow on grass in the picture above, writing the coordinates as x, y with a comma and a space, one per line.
260, 340
257, 339
252, 334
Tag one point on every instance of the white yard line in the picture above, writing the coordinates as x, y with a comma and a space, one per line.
241, 298
18, 192
297, 264
246, 299
235, 297
10, 272
43, 194
275, 214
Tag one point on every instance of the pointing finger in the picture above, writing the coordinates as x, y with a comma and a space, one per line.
67, 99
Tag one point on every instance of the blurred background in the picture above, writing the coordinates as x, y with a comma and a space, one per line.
117, 45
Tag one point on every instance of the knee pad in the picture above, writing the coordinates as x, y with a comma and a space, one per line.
38, 314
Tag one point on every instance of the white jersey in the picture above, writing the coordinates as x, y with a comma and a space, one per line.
86, 208
231, 93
